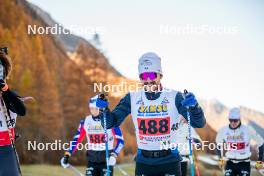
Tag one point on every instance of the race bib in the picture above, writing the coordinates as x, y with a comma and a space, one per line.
97, 138
237, 145
154, 126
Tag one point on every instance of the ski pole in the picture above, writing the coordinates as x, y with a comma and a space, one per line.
261, 172
75, 170
121, 170
222, 156
190, 139
197, 170
106, 147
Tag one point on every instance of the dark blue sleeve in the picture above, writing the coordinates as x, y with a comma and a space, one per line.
196, 113
119, 113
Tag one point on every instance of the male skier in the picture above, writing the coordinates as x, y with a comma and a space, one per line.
155, 110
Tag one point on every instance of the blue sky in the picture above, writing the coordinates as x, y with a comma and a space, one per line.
227, 66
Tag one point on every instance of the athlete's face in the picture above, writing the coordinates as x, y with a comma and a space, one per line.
94, 111
151, 82
234, 123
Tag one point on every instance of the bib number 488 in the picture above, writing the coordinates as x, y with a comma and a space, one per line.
154, 126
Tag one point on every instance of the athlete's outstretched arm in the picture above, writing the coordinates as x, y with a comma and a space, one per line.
118, 115
119, 138
78, 138
196, 113
14, 103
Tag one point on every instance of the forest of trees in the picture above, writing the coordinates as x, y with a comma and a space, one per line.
42, 69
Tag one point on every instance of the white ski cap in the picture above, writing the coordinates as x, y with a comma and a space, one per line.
234, 113
149, 62
92, 102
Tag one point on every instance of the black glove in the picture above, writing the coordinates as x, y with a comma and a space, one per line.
66, 158
17, 137
3, 85
104, 98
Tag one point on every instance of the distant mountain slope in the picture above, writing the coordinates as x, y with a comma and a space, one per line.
72, 42
43, 69
69, 41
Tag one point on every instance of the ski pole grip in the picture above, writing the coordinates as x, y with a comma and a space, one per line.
185, 93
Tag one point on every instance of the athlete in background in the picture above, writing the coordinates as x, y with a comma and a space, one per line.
91, 128
11, 105
237, 137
